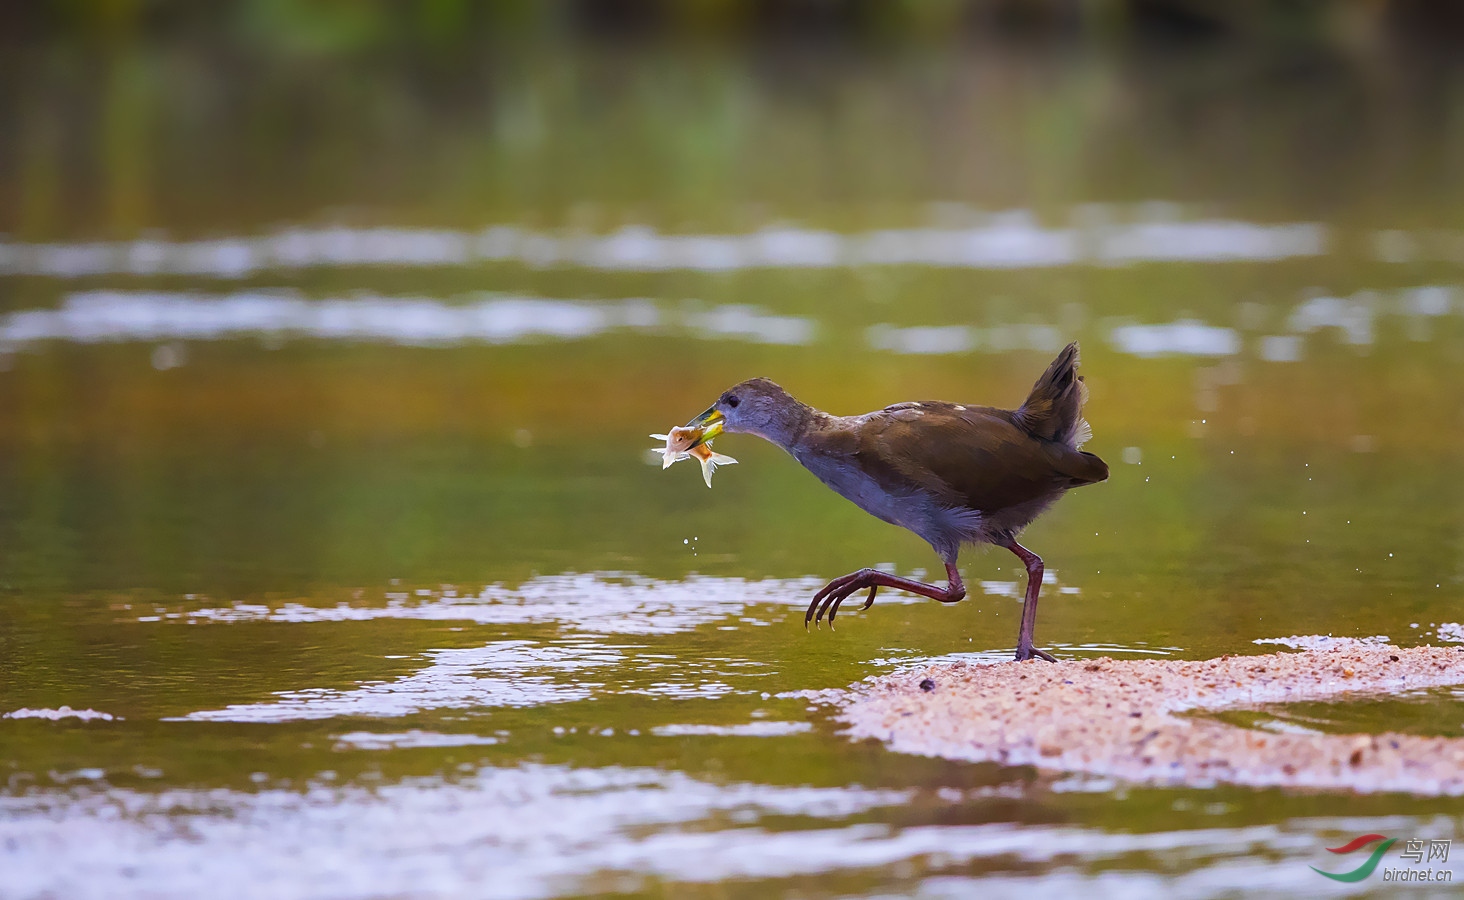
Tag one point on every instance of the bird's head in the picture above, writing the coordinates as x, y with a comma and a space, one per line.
756, 406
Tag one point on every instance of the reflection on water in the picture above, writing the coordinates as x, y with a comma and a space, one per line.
751, 729
414, 739
1009, 240
542, 830
1426, 712
506, 673
963, 339
527, 831
64, 712
527, 673
593, 603
414, 321
105, 316
1186, 337
1324, 641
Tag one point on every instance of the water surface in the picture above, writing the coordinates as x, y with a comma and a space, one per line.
332, 560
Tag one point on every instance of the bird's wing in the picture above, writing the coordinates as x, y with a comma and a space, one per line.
968, 456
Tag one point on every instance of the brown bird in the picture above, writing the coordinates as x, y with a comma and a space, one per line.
952, 473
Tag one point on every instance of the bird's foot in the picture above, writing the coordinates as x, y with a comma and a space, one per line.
828, 600
1026, 653
834, 593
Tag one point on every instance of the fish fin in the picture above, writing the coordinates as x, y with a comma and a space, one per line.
661, 437
709, 465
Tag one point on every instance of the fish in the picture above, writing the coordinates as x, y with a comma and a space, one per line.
681, 444
678, 443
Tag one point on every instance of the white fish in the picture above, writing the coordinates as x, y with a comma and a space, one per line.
679, 446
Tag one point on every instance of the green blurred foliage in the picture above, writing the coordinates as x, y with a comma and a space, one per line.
183, 138
346, 27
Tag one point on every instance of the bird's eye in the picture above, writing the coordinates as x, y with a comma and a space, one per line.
732, 400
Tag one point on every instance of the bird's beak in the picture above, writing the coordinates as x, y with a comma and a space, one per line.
710, 422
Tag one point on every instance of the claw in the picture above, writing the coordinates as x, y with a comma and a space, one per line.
829, 601
811, 615
873, 589
832, 595
834, 610
1034, 652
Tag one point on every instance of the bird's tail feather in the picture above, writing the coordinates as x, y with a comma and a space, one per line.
1054, 409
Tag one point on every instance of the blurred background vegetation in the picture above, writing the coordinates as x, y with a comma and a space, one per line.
118, 116
342, 27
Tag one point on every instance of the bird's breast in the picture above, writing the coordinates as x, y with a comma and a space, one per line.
850, 482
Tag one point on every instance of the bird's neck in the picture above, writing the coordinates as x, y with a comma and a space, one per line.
786, 430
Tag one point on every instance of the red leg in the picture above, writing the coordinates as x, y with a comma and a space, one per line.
837, 591
1033, 562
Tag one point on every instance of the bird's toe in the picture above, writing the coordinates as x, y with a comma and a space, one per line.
868, 602
812, 606
818, 604
830, 603
1026, 653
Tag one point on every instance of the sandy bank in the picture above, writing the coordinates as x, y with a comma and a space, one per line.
1122, 718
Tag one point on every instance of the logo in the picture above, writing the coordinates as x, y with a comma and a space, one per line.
1413, 850
1367, 867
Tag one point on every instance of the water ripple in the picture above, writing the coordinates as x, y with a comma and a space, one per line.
1006, 240
601, 603
545, 830
502, 674
98, 316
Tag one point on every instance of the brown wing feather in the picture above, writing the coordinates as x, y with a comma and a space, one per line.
975, 457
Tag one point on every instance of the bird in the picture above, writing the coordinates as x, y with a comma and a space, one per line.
952, 473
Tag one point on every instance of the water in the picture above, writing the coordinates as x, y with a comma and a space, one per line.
332, 562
